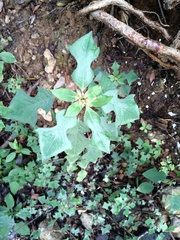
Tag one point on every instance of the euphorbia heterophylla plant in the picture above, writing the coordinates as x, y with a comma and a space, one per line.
86, 128
95, 105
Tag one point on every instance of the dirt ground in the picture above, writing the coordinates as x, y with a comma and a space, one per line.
41, 25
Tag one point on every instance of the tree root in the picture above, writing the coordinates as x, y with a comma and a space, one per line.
168, 57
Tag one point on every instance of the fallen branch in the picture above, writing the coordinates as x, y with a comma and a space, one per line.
128, 8
168, 57
142, 42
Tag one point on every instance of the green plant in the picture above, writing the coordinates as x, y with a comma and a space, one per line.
13, 84
145, 126
167, 165
85, 132
87, 125
6, 57
154, 176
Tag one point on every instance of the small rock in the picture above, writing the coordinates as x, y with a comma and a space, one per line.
1, 6
51, 61
50, 232
50, 78
46, 116
176, 223
168, 193
87, 220
35, 36
60, 82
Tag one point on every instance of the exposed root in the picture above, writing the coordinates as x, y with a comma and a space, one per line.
128, 8
168, 57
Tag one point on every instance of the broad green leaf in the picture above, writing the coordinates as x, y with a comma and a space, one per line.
115, 68
77, 138
6, 225
23, 108
10, 157
14, 145
125, 89
105, 82
81, 175
64, 94
126, 109
14, 187
1, 70
22, 228
110, 128
100, 101
54, 140
130, 76
93, 92
154, 175
85, 51
100, 138
9, 200
7, 57
145, 187
74, 109
4, 152
26, 151
91, 155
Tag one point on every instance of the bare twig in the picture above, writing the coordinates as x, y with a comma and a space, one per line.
162, 13
162, 24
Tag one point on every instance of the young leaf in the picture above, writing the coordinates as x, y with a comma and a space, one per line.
130, 76
74, 109
84, 51
145, 187
126, 109
115, 68
54, 140
10, 157
23, 108
64, 94
100, 138
81, 175
105, 82
100, 101
14, 187
154, 175
9, 200
7, 57
93, 92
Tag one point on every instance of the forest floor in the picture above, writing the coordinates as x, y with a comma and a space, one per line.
37, 27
